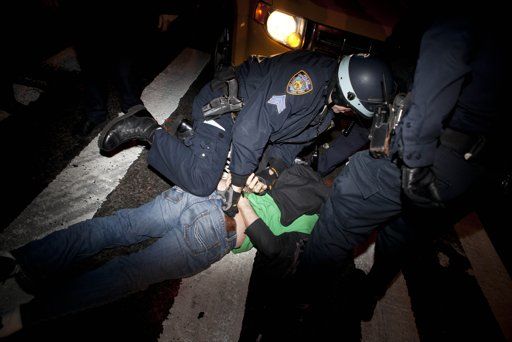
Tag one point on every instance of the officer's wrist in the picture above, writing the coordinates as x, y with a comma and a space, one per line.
238, 180
277, 166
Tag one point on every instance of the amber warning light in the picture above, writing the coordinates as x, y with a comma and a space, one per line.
261, 12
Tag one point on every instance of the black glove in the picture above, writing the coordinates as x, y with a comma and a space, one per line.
419, 185
277, 166
266, 178
230, 206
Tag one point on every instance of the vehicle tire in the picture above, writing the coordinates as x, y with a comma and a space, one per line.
222, 50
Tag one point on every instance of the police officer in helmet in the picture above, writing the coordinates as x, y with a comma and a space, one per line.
363, 82
440, 150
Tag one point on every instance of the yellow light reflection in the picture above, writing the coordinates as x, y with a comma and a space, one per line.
293, 40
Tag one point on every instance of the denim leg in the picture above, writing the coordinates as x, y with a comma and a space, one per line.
365, 195
58, 251
197, 240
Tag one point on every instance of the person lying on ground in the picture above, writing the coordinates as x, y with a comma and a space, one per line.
190, 232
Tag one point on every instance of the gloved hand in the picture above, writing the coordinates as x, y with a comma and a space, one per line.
232, 196
267, 176
419, 185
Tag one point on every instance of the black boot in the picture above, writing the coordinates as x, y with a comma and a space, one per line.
87, 126
135, 127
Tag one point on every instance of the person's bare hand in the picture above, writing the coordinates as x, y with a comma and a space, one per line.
253, 184
164, 20
243, 203
247, 212
224, 182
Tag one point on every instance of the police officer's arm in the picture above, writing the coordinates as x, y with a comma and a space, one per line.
251, 132
442, 66
284, 154
276, 162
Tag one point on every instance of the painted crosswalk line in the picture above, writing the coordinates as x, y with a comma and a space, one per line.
81, 188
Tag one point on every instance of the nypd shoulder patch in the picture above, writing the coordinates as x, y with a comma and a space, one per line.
299, 84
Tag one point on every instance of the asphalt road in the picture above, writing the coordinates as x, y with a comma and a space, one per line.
458, 289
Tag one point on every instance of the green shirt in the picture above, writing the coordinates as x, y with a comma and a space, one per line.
265, 207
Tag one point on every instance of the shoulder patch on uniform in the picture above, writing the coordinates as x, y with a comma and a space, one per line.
279, 101
299, 84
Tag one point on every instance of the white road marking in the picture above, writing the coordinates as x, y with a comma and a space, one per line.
78, 192
210, 305
364, 261
80, 189
25, 95
393, 319
489, 271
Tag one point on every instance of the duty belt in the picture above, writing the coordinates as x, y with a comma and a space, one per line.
469, 146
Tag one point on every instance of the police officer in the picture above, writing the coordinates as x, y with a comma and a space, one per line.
440, 148
400, 52
194, 161
371, 79
295, 104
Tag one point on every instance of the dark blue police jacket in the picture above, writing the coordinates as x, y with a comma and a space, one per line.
458, 84
283, 97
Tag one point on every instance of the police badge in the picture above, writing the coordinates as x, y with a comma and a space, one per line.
299, 84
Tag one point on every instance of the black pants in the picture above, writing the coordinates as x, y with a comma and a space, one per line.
367, 195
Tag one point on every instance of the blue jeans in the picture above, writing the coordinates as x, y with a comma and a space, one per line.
191, 236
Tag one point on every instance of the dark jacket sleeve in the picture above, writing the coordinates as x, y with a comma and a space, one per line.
274, 113
279, 252
440, 73
285, 152
253, 127
263, 239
